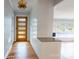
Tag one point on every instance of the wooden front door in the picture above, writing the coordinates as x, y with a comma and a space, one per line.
21, 28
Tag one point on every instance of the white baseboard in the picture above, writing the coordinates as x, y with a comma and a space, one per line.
8, 52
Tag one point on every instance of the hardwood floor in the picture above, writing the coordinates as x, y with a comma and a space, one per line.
22, 50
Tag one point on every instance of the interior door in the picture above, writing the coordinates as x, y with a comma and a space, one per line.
21, 28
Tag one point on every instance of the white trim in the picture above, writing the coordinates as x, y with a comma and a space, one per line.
8, 52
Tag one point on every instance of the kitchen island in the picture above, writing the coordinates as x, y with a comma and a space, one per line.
54, 48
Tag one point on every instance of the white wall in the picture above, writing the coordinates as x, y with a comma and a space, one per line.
8, 26
43, 12
63, 14
41, 19
64, 10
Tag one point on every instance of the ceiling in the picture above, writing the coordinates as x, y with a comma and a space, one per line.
14, 4
64, 9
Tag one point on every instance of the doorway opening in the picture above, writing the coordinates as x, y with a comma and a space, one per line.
21, 28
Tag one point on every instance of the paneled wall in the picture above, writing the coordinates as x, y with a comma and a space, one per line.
8, 26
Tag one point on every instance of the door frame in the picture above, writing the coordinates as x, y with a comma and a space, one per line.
17, 26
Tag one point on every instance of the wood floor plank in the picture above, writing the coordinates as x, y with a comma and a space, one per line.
22, 50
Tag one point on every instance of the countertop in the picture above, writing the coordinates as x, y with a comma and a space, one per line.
49, 39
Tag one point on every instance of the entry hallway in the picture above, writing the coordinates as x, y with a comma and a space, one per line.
22, 50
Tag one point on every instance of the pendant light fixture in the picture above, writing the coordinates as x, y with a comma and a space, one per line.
22, 4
